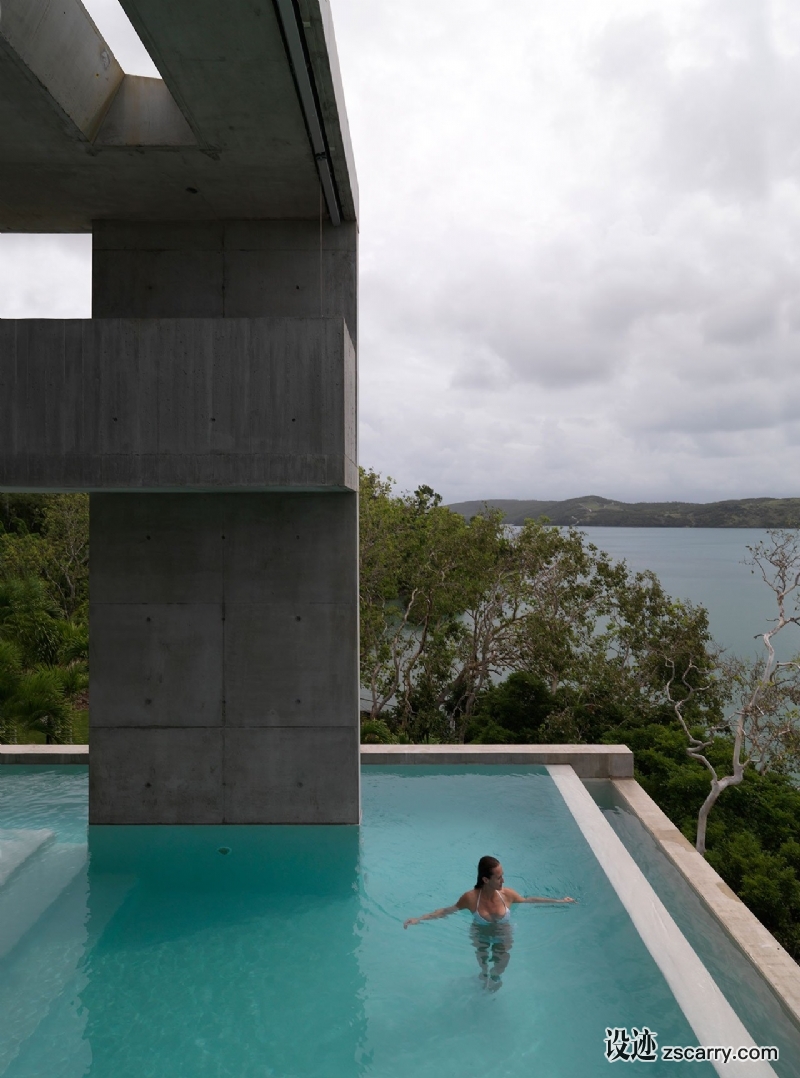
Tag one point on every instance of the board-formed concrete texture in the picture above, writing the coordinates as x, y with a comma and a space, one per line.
177, 403
208, 406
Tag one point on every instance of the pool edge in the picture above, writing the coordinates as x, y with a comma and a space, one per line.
588, 761
44, 754
775, 965
704, 1005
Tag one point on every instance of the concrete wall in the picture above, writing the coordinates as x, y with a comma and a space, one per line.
169, 403
225, 269
224, 658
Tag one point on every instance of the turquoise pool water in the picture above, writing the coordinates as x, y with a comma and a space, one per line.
286, 956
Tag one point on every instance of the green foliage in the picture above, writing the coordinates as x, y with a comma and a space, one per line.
512, 712
21, 513
376, 732
49, 538
753, 834
420, 569
44, 541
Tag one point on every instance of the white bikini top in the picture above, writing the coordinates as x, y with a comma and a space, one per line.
478, 919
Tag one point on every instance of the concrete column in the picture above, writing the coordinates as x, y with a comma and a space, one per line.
224, 623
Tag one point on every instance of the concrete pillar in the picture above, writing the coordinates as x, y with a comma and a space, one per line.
224, 622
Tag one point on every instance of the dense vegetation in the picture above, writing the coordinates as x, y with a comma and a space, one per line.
604, 512
44, 584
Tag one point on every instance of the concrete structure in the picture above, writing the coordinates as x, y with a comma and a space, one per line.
587, 761
209, 405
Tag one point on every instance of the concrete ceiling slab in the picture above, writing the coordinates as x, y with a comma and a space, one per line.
223, 135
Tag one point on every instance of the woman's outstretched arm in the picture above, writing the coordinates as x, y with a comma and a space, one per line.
516, 897
445, 911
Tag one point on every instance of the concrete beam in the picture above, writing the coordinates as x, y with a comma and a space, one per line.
143, 113
189, 403
317, 20
588, 761
64, 55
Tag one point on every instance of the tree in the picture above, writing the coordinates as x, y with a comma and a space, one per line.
450, 607
415, 573
763, 694
541, 597
44, 578
49, 538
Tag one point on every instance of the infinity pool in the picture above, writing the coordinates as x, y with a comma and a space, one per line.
262, 951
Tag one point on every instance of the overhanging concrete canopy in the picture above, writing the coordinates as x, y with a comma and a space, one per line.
225, 135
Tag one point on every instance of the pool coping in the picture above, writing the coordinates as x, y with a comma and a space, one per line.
44, 754
705, 1006
773, 962
588, 761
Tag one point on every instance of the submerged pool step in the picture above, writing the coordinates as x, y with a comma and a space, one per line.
34, 886
17, 846
43, 1022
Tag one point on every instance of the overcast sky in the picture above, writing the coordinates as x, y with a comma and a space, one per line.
580, 243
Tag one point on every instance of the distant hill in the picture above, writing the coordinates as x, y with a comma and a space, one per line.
606, 513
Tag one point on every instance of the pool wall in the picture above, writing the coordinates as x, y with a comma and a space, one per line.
772, 961
44, 754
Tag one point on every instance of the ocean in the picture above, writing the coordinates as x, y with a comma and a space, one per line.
706, 565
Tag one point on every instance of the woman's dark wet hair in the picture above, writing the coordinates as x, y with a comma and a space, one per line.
486, 866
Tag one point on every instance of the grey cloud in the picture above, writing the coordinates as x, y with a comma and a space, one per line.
722, 120
741, 320
629, 50
45, 276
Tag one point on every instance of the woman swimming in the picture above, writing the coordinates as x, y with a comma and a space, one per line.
489, 902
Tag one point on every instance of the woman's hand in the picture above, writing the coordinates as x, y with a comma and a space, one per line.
515, 897
411, 921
